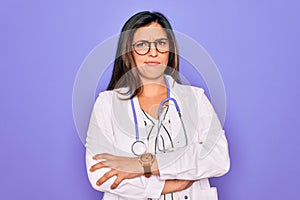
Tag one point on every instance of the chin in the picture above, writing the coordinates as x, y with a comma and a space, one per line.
152, 77
152, 72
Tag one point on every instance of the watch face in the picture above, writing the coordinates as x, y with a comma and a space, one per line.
146, 157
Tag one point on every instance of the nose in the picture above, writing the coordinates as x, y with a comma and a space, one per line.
153, 50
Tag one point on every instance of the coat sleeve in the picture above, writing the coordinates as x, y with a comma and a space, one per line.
206, 156
100, 139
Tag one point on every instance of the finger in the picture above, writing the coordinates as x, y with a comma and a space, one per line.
97, 166
106, 176
102, 156
117, 182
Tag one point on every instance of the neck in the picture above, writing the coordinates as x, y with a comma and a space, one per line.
154, 88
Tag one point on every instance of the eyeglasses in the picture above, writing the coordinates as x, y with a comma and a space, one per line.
142, 47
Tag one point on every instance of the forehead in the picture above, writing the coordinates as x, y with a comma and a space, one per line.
151, 32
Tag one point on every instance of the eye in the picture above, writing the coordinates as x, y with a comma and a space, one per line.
162, 42
141, 44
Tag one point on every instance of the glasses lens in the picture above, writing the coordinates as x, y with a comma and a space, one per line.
141, 47
162, 45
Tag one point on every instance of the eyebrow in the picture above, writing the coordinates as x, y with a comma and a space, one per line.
142, 40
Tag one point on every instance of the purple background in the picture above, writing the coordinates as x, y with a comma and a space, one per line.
255, 45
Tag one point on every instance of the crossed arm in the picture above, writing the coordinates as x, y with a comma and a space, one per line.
127, 168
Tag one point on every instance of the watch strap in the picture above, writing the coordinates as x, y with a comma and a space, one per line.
147, 171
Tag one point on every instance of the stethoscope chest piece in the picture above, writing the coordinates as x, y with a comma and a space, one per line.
138, 148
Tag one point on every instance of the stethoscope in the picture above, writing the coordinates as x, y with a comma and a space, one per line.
139, 147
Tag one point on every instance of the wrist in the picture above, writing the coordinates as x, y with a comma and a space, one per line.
139, 168
154, 166
146, 160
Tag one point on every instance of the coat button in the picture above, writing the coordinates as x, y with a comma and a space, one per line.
186, 197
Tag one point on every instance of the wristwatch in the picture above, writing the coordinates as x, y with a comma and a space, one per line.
146, 159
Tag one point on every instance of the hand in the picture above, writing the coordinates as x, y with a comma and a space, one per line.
121, 167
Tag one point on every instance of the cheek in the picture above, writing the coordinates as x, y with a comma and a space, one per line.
138, 59
166, 58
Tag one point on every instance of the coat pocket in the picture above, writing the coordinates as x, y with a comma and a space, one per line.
202, 194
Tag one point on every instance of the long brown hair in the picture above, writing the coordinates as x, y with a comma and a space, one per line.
122, 75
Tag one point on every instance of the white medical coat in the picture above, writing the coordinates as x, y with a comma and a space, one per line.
111, 130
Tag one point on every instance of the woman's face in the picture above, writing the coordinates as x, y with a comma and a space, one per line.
152, 64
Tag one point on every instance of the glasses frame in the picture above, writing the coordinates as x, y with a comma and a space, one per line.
149, 46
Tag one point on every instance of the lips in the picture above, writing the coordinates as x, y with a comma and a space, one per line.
152, 63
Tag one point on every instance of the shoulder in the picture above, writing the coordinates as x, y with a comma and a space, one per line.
192, 94
183, 89
111, 94
187, 90
105, 102
104, 97
109, 97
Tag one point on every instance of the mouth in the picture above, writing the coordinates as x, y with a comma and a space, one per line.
152, 63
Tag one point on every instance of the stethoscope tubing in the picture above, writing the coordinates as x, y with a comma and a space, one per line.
159, 124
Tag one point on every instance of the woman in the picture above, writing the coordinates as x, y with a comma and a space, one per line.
151, 137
